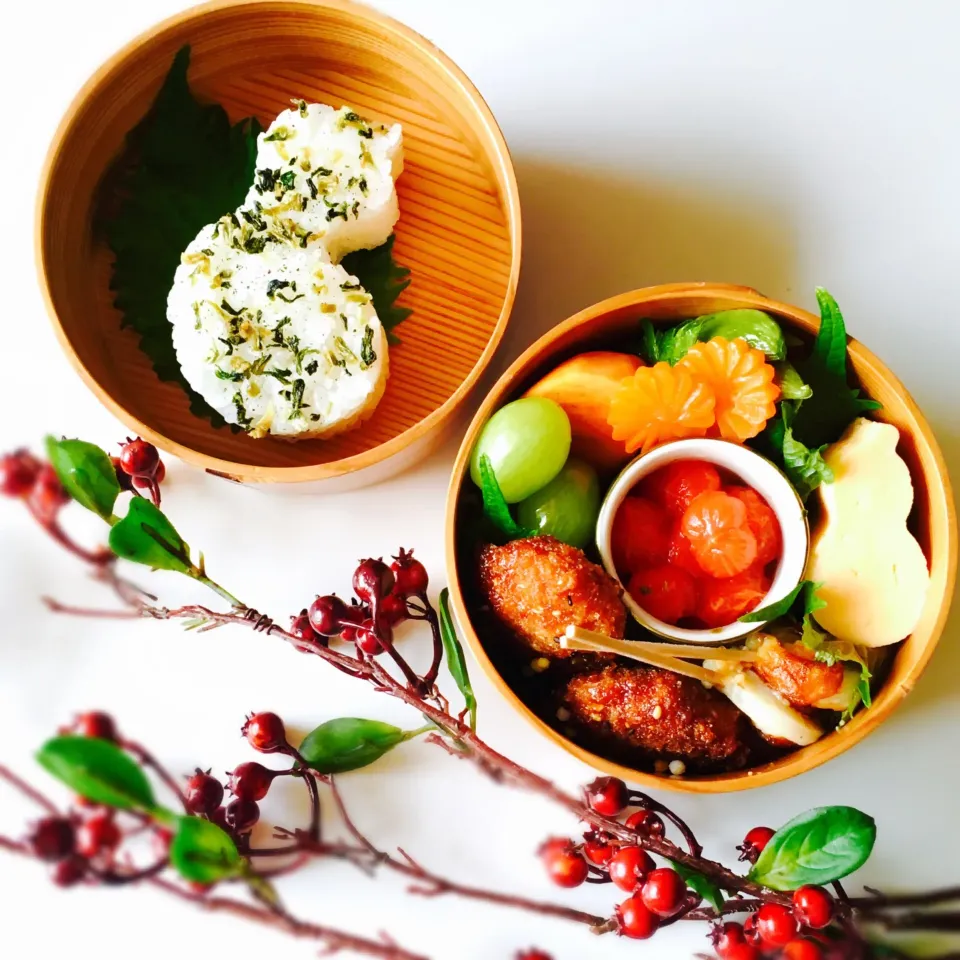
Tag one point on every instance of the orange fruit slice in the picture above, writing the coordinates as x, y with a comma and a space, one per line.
657, 404
716, 526
741, 381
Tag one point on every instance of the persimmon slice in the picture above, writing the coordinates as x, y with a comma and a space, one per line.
660, 403
741, 381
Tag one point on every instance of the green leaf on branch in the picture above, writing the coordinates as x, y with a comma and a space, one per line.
98, 770
456, 663
833, 404
86, 474
146, 536
818, 847
349, 743
495, 507
702, 886
201, 852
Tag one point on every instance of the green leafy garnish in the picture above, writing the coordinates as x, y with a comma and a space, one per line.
759, 329
384, 279
495, 507
669, 345
456, 663
805, 467
184, 166
98, 770
835, 651
791, 383
818, 847
833, 404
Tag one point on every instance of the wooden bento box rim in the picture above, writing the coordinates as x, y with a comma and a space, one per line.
434, 421
940, 506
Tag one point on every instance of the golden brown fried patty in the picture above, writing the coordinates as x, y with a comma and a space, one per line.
792, 671
658, 711
539, 586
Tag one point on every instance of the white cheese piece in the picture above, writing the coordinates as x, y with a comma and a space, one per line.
273, 336
328, 176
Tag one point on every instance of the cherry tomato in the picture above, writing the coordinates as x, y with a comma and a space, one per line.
665, 592
641, 534
762, 522
716, 526
724, 601
680, 554
676, 485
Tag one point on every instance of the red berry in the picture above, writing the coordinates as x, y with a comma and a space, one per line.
372, 580
750, 932
123, 478
742, 951
598, 852
666, 592
629, 867
393, 609
565, 867
802, 950
241, 816
251, 781
636, 920
47, 495
754, 842
724, 600
159, 475
265, 732
533, 955
368, 637
608, 796
327, 615
96, 724
776, 925
727, 937
52, 839
813, 906
139, 458
68, 873
203, 793
98, 835
18, 472
646, 822
663, 892
302, 629
411, 575
641, 535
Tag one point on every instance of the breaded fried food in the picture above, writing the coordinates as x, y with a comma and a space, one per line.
658, 711
792, 670
539, 586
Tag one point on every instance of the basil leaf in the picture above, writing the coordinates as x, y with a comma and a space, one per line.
495, 507
146, 536
202, 852
456, 663
833, 404
759, 329
86, 474
703, 886
349, 743
774, 611
818, 847
98, 770
805, 468
791, 383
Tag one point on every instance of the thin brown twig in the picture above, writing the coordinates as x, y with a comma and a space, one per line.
30, 792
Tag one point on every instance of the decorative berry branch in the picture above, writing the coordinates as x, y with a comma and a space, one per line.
789, 913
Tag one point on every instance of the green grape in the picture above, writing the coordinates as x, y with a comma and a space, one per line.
567, 507
527, 442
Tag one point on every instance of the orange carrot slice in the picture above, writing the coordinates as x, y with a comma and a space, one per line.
657, 404
741, 381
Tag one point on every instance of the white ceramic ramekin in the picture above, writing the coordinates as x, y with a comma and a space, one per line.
755, 471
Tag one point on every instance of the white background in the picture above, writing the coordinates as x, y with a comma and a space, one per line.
773, 144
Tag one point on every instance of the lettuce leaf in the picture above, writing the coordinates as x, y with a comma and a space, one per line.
836, 651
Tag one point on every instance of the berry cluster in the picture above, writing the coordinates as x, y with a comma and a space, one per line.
659, 895
25, 477
139, 467
382, 601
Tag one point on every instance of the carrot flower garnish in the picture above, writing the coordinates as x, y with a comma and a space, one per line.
657, 404
741, 382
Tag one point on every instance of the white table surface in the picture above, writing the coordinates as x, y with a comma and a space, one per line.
773, 144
